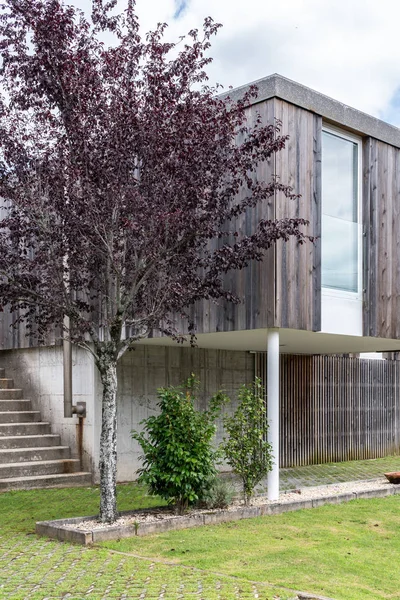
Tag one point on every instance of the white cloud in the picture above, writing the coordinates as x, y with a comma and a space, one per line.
347, 49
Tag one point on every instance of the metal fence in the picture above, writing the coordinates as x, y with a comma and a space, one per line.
336, 408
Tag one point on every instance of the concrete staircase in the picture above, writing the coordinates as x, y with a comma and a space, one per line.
30, 455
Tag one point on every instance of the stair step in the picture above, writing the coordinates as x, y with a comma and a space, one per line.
11, 394
39, 467
29, 441
20, 416
6, 384
11, 429
14, 405
45, 453
46, 481
30, 455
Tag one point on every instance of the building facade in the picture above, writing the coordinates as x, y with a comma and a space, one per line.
339, 295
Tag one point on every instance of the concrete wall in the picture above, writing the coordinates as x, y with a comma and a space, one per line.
39, 372
147, 368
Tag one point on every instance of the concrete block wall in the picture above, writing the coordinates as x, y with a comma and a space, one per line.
39, 372
143, 370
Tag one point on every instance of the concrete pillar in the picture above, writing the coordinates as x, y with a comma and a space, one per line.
273, 409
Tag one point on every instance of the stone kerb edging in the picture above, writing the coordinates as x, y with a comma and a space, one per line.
61, 528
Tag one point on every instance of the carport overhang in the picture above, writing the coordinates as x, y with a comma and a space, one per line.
291, 341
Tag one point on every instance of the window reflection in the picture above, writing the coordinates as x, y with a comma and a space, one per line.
340, 231
339, 254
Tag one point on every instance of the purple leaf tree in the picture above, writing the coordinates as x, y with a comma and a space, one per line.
119, 170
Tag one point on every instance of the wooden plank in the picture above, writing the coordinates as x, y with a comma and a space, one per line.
263, 273
396, 248
383, 234
297, 272
317, 220
381, 249
367, 199
254, 285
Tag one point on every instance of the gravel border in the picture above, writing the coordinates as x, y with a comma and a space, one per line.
87, 530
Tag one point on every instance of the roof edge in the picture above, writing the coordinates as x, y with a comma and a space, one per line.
276, 86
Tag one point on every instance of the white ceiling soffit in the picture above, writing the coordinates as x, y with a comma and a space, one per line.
292, 341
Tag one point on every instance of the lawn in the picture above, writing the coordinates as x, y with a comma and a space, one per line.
347, 552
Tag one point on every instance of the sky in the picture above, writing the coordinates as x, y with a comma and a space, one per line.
347, 49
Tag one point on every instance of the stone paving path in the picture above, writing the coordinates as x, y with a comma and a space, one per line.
357, 470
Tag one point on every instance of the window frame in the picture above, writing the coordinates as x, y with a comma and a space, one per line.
355, 139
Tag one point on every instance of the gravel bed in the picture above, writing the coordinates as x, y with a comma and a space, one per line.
306, 493
333, 489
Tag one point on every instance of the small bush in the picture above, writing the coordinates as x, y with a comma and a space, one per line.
178, 455
246, 449
219, 495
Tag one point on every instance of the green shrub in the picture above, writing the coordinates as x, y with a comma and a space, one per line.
219, 494
246, 449
178, 455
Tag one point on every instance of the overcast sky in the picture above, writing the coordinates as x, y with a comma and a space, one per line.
347, 49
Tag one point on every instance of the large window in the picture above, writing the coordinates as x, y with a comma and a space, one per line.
341, 239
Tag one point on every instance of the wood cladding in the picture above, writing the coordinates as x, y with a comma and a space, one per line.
336, 408
13, 334
254, 285
381, 214
298, 267
284, 290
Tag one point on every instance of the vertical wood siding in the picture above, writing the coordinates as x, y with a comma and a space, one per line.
255, 284
335, 408
298, 267
284, 290
13, 334
381, 214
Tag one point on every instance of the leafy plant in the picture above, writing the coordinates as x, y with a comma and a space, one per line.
218, 495
178, 455
246, 449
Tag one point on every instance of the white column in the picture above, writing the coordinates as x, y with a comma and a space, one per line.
273, 410
67, 362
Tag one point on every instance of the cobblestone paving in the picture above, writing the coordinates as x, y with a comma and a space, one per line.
33, 568
355, 470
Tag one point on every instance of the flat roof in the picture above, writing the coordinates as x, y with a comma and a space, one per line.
276, 86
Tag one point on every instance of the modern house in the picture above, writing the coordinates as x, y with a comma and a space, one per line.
338, 296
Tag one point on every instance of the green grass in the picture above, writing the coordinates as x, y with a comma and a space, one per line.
42, 505
349, 551
33, 568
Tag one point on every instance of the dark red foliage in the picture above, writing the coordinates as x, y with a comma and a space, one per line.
119, 167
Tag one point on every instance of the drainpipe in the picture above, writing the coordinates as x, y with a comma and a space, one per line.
69, 409
273, 409
80, 407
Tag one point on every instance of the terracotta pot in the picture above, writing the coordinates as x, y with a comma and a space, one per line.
393, 477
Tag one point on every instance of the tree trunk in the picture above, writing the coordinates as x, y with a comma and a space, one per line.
108, 441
